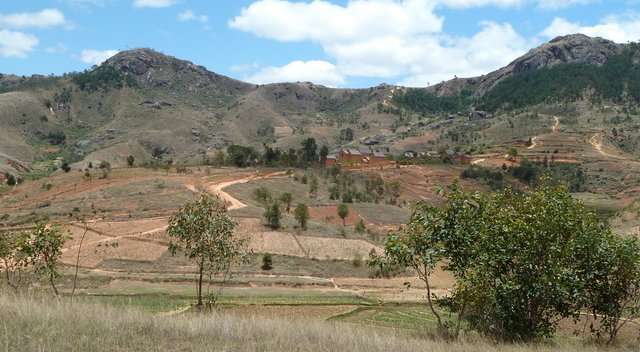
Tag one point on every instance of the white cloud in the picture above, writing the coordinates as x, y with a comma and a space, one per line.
322, 21
320, 72
189, 15
481, 3
620, 29
389, 39
42, 19
153, 3
16, 44
561, 4
96, 57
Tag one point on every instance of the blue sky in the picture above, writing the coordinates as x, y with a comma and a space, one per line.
346, 43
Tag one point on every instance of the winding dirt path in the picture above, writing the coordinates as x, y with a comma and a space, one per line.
596, 143
234, 203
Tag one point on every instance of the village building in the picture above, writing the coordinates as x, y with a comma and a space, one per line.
352, 157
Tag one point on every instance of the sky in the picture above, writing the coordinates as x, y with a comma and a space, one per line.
337, 43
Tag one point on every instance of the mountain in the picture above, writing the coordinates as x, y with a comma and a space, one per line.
570, 49
153, 106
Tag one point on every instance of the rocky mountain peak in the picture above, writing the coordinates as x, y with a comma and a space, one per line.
154, 69
569, 49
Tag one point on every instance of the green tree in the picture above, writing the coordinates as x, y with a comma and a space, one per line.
309, 151
313, 186
360, 227
418, 247
204, 232
13, 259
613, 288
343, 212
302, 215
273, 215
131, 160
11, 180
286, 198
267, 262
522, 261
241, 156
44, 248
324, 152
262, 195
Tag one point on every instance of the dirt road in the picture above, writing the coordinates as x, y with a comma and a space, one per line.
234, 203
596, 142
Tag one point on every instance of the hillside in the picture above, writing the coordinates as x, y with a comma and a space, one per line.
153, 106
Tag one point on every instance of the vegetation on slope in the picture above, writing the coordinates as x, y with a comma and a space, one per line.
103, 77
422, 101
616, 80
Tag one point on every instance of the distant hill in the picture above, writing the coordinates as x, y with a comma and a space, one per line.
153, 106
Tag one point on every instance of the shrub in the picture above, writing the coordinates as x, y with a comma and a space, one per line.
267, 262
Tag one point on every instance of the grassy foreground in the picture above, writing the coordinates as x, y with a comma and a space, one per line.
46, 324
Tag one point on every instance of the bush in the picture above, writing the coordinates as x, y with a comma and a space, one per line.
522, 261
262, 195
267, 262
273, 215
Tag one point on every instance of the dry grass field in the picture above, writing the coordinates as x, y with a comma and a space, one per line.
39, 324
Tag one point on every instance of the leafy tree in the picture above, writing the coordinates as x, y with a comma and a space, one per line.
65, 167
309, 151
313, 186
302, 215
13, 259
418, 247
522, 261
273, 215
131, 160
613, 291
267, 262
44, 248
360, 227
204, 232
262, 195
241, 156
286, 198
11, 180
343, 212
324, 152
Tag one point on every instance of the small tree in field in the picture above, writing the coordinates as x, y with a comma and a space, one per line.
419, 248
44, 248
343, 212
302, 215
131, 160
204, 232
267, 262
286, 198
273, 215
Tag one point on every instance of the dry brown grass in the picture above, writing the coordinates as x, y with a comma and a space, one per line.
43, 324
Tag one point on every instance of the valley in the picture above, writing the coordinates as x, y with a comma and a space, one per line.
112, 154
